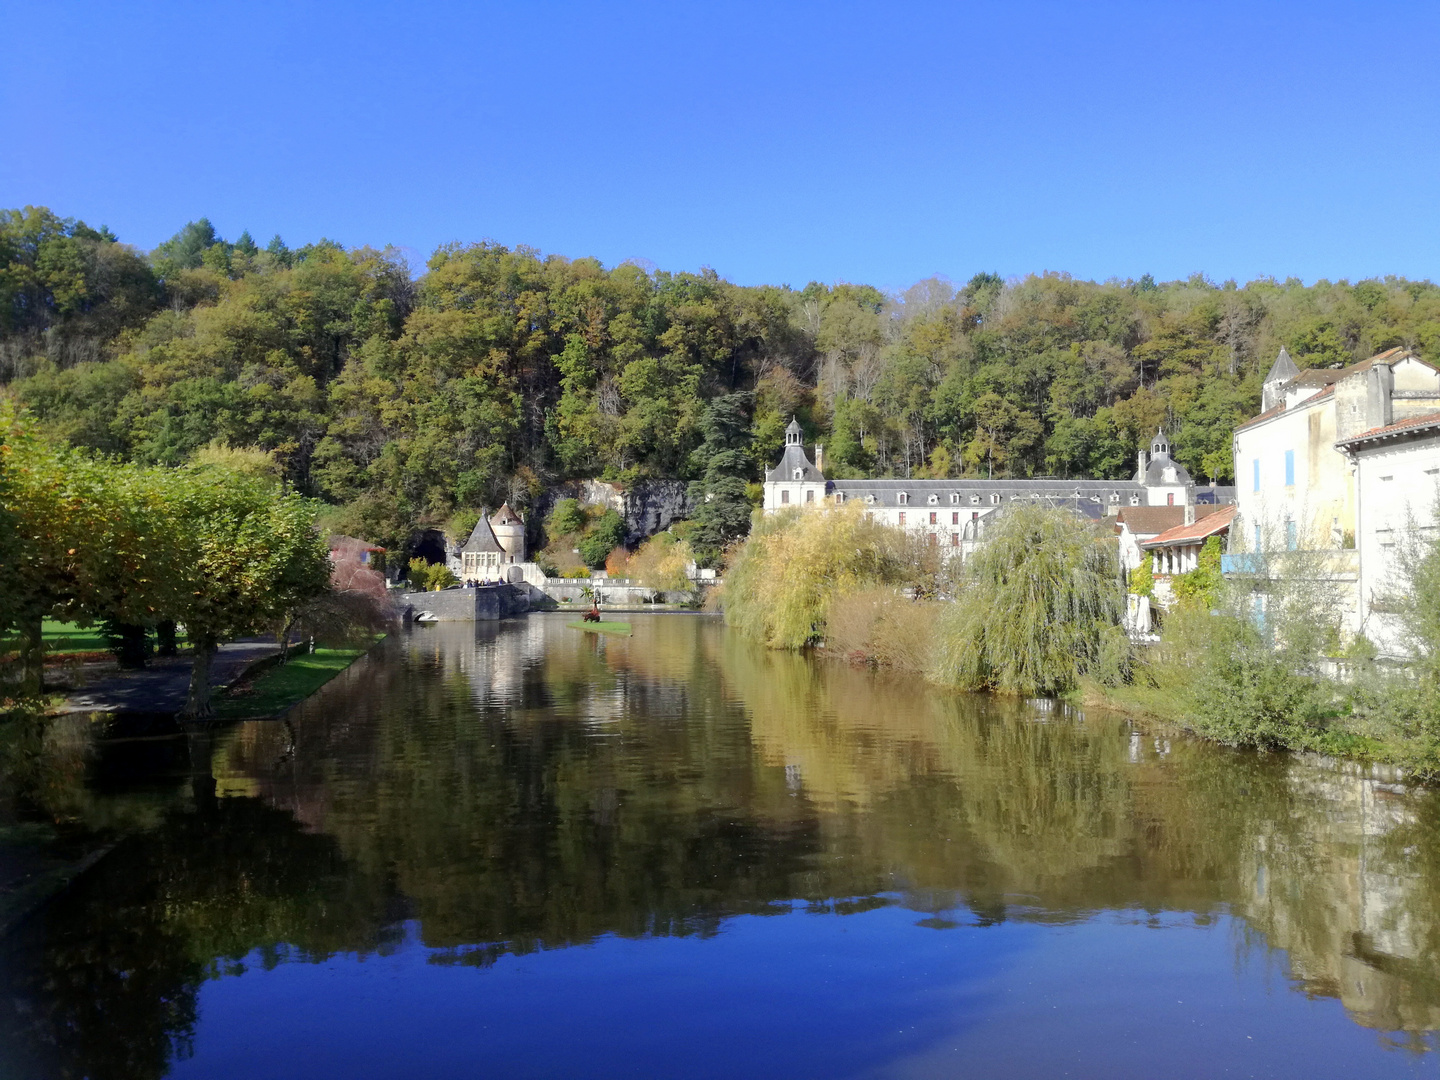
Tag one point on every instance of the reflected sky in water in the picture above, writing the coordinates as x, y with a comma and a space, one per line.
519, 851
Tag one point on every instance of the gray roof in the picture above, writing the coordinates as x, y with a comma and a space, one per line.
481, 538
505, 516
1284, 369
1155, 471
1078, 492
795, 458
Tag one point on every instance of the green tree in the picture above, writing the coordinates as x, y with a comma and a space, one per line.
722, 509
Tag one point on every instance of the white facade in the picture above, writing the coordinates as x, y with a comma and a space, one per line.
950, 514
1397, 471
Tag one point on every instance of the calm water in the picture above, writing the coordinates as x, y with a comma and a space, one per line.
527, 852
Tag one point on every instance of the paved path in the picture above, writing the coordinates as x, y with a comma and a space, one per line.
163, 686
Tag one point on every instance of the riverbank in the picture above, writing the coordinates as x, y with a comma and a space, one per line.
269, 691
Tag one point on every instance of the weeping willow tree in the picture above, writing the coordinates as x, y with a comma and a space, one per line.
1038, 607
780, 584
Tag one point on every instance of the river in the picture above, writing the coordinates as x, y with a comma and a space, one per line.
518, 850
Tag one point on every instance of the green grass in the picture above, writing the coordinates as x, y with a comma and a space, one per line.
63, 638
602, 627
277, 688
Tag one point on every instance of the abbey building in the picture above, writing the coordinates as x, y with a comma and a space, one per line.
952, 512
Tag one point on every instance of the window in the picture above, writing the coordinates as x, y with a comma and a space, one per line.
932, 539
954, 497
954, 539
799, 474
975, 515
934, 518
994, 500
934, 500
955, 518
839, 496
810, 496
1291, 535
1134, 500
870, 500
974, 500
1170, 499
902, 517
784, 498
1255, 468
1289, 468
1114, 497
1257, 537
903, 498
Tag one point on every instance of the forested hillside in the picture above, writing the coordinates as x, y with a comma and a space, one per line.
497, 371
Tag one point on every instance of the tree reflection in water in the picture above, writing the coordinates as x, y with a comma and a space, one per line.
524, 787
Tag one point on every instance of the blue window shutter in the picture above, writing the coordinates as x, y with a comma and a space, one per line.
1257, 537
1289, 468
1256, 463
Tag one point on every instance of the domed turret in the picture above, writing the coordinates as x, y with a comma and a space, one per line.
509, 530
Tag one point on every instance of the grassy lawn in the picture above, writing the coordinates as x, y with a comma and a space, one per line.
277, 688
62, 638
602, 627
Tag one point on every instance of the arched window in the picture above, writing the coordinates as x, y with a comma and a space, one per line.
799, 474
995, 500
954, 497
903, 498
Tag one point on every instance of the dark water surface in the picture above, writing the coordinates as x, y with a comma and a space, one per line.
522, 851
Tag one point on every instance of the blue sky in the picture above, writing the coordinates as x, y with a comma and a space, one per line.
774, 142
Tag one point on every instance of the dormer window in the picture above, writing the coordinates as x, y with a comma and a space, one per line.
839, 496
1114, 497
954, 497
1134, 500
974, 500
870, 500
934, 500
903, 498
994, 500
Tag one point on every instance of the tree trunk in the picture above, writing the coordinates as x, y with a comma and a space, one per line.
165, 636
32, 658
131, 644
284, 637
197, 704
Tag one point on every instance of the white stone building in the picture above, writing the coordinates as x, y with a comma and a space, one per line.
1397, 481
1296, 486
496, 544
951, 513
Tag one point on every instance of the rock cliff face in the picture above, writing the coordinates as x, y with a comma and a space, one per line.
647, 507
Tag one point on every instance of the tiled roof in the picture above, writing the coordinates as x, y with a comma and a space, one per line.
1415, 423
505, 516
1151, 520
1199, 529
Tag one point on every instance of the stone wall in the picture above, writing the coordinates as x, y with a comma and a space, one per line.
487, 603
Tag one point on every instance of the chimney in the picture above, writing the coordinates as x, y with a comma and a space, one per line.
1379, 396
819, 457
1140, 464
1189, 513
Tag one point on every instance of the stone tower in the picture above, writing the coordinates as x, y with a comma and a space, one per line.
509, 530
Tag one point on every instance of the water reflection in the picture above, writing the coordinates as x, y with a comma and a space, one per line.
490, 792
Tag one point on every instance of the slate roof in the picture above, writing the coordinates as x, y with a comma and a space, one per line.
1402, 427
887, 492
1198, 529
482, 539
795, 458
1283, 369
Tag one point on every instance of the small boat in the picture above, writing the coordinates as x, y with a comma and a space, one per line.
425, 618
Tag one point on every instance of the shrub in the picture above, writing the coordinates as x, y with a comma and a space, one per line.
1038, 607
605, 534
661, 563
566, 518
